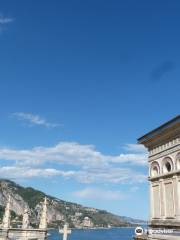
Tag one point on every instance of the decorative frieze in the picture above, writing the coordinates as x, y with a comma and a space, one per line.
164, 147
164, 153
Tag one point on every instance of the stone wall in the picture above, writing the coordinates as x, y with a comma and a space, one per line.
20, 234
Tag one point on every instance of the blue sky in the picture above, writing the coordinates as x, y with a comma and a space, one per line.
80, 81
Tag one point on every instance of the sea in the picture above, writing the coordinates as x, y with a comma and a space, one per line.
96, 234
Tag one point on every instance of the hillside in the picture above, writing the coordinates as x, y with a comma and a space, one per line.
59, 211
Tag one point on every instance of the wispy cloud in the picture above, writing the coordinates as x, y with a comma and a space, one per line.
17, 172
111, 175
33, 119
99, 194
86, 176
5, 20
71, 153
93, 166
137, 148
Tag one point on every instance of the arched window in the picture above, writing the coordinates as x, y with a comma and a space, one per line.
155, 169
178, 161
167, 165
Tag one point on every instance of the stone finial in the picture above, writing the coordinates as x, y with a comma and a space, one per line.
65, 231
43, 219
7, 215
25, 222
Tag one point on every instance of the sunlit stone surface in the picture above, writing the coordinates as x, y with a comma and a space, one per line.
24, 233
163, 145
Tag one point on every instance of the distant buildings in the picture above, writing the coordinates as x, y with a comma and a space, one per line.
78, 214
87, 223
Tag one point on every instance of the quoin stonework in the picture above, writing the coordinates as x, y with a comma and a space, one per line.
163, 144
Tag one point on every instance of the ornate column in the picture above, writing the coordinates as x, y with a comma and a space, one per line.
25, 222
151, 202
7, 215
176, 182
162, 197
43, 219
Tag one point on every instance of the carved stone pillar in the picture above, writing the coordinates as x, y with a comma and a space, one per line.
7, 215
43, 219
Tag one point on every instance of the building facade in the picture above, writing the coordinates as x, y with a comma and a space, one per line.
163, 145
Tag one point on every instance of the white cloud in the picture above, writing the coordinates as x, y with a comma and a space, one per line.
16, 172
86, 164
133, 158
107, 175
110, 174
71, 153
33, 119
135, 148
5, 20
99, 194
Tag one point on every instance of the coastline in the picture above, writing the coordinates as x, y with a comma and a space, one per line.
95, 228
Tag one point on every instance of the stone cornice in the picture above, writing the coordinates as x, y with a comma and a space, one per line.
163, 176
166, 152
161, 134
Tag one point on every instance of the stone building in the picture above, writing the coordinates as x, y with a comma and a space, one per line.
87, 223
163, 144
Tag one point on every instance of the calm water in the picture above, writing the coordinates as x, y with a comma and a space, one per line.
104, 234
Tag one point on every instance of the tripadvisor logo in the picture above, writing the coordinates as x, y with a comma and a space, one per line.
139, 231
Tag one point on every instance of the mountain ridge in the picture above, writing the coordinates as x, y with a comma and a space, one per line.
59, 211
